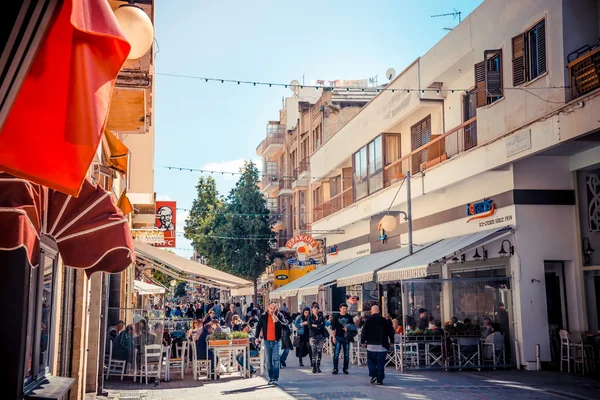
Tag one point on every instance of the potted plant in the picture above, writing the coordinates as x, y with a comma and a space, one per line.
239, 338
219, 339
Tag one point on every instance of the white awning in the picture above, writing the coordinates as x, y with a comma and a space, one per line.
184, 269
415, 266
243, 291
147, 288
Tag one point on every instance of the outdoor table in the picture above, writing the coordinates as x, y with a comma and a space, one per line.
232, 349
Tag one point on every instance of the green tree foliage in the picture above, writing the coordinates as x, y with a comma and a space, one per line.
213, 222
180, 289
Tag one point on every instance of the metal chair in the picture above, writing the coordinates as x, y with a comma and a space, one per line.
434, 354
496, 353
565, 349
152, 362
411, 354
467, 353
114, 367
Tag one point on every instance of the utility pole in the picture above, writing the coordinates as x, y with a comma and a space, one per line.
409, 214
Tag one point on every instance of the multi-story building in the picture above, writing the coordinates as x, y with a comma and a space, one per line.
497, 127
307, 120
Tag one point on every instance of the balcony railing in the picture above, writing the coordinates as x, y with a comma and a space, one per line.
585, 71
269, 180
285, 182
274, 138
333, 205
303, 166
439, 149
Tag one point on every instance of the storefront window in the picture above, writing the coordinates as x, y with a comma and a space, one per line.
423, 293
479, 294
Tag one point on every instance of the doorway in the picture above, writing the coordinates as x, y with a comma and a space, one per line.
556, 304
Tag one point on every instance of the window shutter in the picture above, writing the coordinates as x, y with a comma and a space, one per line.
541, 38
480, 94
469, 106
518, 61
493, 71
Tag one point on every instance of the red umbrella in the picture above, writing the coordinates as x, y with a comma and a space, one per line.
90, 231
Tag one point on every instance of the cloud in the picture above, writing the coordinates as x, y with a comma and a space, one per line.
232, 166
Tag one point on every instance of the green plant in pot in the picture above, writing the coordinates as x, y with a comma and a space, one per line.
239, 335
219, 339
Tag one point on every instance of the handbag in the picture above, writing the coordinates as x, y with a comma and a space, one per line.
296, 342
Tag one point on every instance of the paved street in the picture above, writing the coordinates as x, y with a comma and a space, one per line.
298, 383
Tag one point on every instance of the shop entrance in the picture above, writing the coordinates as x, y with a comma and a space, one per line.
556, 303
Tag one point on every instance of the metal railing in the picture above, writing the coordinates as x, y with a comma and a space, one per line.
584, 72
438, 149
275, 138
333, 205
285, 182
303, 166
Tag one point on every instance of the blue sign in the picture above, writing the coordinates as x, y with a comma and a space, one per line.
309, 261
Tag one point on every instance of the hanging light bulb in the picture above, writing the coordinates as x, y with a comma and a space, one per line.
136, 27
388, 223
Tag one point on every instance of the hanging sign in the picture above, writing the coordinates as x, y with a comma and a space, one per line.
301, 239
150, 236
302, 263
166, 219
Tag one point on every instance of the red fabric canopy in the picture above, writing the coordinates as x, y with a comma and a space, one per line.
53, 130
90, 231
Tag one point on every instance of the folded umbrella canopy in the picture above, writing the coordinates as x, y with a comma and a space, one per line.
90, 231
57, 120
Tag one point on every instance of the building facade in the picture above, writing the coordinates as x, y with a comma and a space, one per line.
496, 127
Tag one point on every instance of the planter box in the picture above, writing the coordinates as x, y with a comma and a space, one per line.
239, 342
217, 343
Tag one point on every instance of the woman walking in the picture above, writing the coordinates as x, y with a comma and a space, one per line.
316, 324
302, 337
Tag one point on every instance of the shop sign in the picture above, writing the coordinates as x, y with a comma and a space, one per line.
297, 240
280, 278
302, 263
518, 143
150, 236
332, 250
166, 220
483, 209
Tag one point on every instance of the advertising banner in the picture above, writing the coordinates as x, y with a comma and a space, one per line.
166, 220
150, 236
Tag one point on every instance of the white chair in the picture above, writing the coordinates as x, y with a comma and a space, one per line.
178, 362
114, 367
566, 348
199, 366
494, 353
411, 354
152, 361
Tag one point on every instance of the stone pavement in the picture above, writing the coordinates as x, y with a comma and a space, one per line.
300, 383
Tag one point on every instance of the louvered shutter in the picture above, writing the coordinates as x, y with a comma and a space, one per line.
469, 107
541, 44
518, 60
493, 71
480, 94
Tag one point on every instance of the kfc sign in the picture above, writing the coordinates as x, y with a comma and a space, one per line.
166, 220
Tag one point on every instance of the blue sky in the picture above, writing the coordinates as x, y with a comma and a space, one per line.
217, 126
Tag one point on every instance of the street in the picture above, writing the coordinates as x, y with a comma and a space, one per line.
302, 384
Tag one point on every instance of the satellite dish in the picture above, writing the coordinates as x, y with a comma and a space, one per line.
390, 73
294, 86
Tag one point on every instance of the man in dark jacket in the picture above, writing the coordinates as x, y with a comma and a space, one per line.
340, 325
269, 329
376, 335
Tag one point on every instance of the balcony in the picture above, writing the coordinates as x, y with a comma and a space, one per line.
269, 184
301, 173
273, 142
285, 186
333, 205
584, 71
439, 149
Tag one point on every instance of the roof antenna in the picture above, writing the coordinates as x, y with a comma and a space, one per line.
453, 14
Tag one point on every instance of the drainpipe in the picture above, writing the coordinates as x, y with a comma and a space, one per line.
322, 109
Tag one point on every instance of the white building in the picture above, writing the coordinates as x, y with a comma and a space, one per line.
499, 109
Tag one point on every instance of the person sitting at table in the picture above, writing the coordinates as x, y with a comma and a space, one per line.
195, 331
430, 322
397, 327
253, 349
487, 328
216, 327
437, 328
236, 324
496, 338
203, 352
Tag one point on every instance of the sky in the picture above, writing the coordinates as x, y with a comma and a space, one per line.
217, 126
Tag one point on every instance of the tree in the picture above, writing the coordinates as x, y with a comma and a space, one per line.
247, 217
204, 221
233, 234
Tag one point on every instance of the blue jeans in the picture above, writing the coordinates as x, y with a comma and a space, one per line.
240, 359
284, 355
340, 343
376, 363
272, 357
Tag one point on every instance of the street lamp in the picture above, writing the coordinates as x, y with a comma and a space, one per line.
136, 27
388, 222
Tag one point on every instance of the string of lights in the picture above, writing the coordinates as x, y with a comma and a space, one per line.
246, 215
236, 237
330, 87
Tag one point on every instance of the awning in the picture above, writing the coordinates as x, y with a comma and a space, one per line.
115, 153
309, 283
415, 266
182, 268
142, 287
56, 122
363, 269
90, 231
245, 291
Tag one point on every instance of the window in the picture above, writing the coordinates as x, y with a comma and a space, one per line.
368, 169
335, 185
529, 54
302, 209
488, 78
317, 137
40, 316
317, 197
469, 112
420, 134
